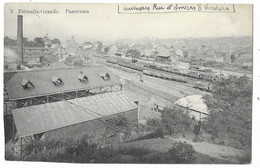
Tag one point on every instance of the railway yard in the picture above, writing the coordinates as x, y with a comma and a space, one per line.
178, 86
185, 82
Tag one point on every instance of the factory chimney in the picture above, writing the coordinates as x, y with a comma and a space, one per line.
20, 37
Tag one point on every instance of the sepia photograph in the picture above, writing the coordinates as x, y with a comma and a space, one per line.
128, 83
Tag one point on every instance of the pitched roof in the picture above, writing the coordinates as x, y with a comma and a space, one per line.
42, 80
32, 62
46, 117
179, 52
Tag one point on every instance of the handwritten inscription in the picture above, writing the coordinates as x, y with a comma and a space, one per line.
171, 8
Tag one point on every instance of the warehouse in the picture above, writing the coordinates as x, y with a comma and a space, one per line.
72, 118
28, 88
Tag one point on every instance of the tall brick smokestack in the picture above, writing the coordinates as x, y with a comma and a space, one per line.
20, 37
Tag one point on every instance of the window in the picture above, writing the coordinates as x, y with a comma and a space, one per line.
37, 137
56, 81
104, 76
82, 77
26, 84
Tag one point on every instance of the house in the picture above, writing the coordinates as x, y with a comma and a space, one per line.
208, 55
112, 49
179, 53
219, 57
119, 54
194, 106
146, 53
32, 63
246, 60
183, 53
87, 45
163, 57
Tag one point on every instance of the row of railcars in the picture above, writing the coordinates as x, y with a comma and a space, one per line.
165, 76
167, 73
203, 75
112, 61
131, 65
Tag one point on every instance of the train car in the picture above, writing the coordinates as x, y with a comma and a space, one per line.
167, 76
194, 74
146, 72
131, 65
112, 61
134, 60
180, 79
203, 86
194, 67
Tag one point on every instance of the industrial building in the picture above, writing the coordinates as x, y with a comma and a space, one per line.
73, 118
28, 88
64, 102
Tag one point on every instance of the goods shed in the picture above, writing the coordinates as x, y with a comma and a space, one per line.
72, 118
53, 85
163, 57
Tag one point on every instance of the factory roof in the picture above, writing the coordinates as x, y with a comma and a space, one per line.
42, 80
46, 117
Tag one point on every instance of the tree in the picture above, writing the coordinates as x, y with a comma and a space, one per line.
100, 45
39, 42
9, 42
232, 58
182, 152
134, 53
55, 41
29, 44
25, 40
106, 50
230, 107
176, 121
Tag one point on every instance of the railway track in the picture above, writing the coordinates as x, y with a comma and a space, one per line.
160, 74
166, 86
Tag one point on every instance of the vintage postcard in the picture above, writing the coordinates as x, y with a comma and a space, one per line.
128, 83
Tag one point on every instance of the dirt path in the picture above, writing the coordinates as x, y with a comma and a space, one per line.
217, 151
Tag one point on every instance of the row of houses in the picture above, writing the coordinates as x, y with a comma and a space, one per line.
208, 53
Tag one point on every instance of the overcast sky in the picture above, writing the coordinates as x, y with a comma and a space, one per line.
104, 23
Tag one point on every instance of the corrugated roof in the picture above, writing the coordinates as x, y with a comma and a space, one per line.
42, 80
46, 117
194, 102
